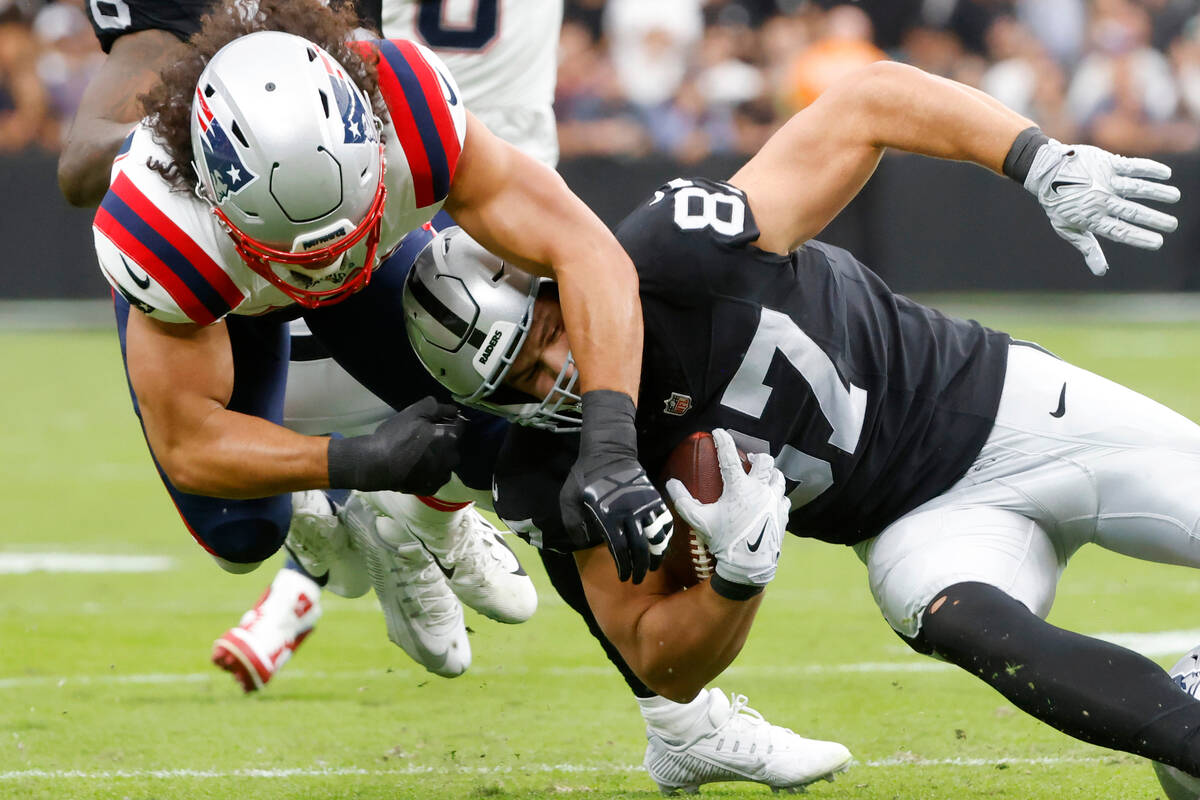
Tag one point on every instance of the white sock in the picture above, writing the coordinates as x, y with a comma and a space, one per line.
293, 580
670, 720
421, 512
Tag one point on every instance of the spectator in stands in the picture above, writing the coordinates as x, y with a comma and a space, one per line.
845, 44
781, 40
24, 109
1124, 93
1026, 78
652, 46
1060, 25
1185, 60
69, 59
594, 118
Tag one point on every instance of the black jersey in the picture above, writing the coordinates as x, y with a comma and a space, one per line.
112, 19
870, 403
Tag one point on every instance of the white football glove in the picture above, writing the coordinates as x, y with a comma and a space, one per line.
1087, 191
744, 528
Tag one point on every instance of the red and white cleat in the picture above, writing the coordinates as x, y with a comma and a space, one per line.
271, 631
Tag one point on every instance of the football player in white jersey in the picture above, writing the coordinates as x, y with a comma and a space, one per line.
141, 37
503, 57
504, 61
257, 236
322, 398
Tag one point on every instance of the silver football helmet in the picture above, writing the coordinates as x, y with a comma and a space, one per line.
288, 154
467, 313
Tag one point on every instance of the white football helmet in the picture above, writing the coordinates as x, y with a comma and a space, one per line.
467, 314
288, 154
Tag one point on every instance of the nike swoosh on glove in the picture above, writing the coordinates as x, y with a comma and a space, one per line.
744, 528
1087, 192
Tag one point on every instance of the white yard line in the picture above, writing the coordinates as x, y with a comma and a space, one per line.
66, 681
25, 563
1162, 643
418, 769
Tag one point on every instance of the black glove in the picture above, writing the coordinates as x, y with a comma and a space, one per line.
607, 496
413, 452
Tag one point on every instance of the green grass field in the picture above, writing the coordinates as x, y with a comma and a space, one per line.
106, 690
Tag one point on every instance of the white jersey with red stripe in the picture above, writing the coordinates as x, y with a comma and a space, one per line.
504, 55
166, 253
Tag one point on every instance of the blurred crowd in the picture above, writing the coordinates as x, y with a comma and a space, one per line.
692, 78
48, 54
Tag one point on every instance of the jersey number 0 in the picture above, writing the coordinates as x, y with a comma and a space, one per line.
475, 35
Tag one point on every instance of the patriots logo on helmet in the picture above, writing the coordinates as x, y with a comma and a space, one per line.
358, 126
228, 172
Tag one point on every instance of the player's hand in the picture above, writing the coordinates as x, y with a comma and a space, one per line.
1087, 192
744, 528
412, 452
607, 496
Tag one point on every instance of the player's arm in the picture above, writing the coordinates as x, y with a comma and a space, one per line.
108, 111
183, 375
678, 641
819, 160
522, 210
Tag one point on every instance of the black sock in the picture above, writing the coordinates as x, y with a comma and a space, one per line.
1085, 687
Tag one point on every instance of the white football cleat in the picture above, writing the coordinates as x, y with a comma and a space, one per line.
1177, 784
470, 552
315, 537
270, 632
321, 545
732, 742
423, 616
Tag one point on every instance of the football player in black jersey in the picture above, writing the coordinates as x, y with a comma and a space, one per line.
963, 467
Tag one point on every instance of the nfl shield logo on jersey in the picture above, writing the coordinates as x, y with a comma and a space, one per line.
229, 172
678, 404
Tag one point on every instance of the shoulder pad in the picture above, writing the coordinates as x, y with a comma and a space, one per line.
427, 115
159, 248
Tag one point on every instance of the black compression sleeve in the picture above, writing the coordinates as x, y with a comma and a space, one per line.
1020, 155
1085, 687
733, 591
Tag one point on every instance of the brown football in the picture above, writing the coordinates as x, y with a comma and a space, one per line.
694, 463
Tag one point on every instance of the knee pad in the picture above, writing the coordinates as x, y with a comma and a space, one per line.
245, 542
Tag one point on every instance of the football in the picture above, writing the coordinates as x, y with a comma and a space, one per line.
1176, 784
694, 463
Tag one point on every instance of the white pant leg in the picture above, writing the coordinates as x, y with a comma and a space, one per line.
1094, 462
924, 552
1116, 468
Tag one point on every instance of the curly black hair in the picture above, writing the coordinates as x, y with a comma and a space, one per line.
169, 104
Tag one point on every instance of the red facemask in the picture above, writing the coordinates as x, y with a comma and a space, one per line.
258, 255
